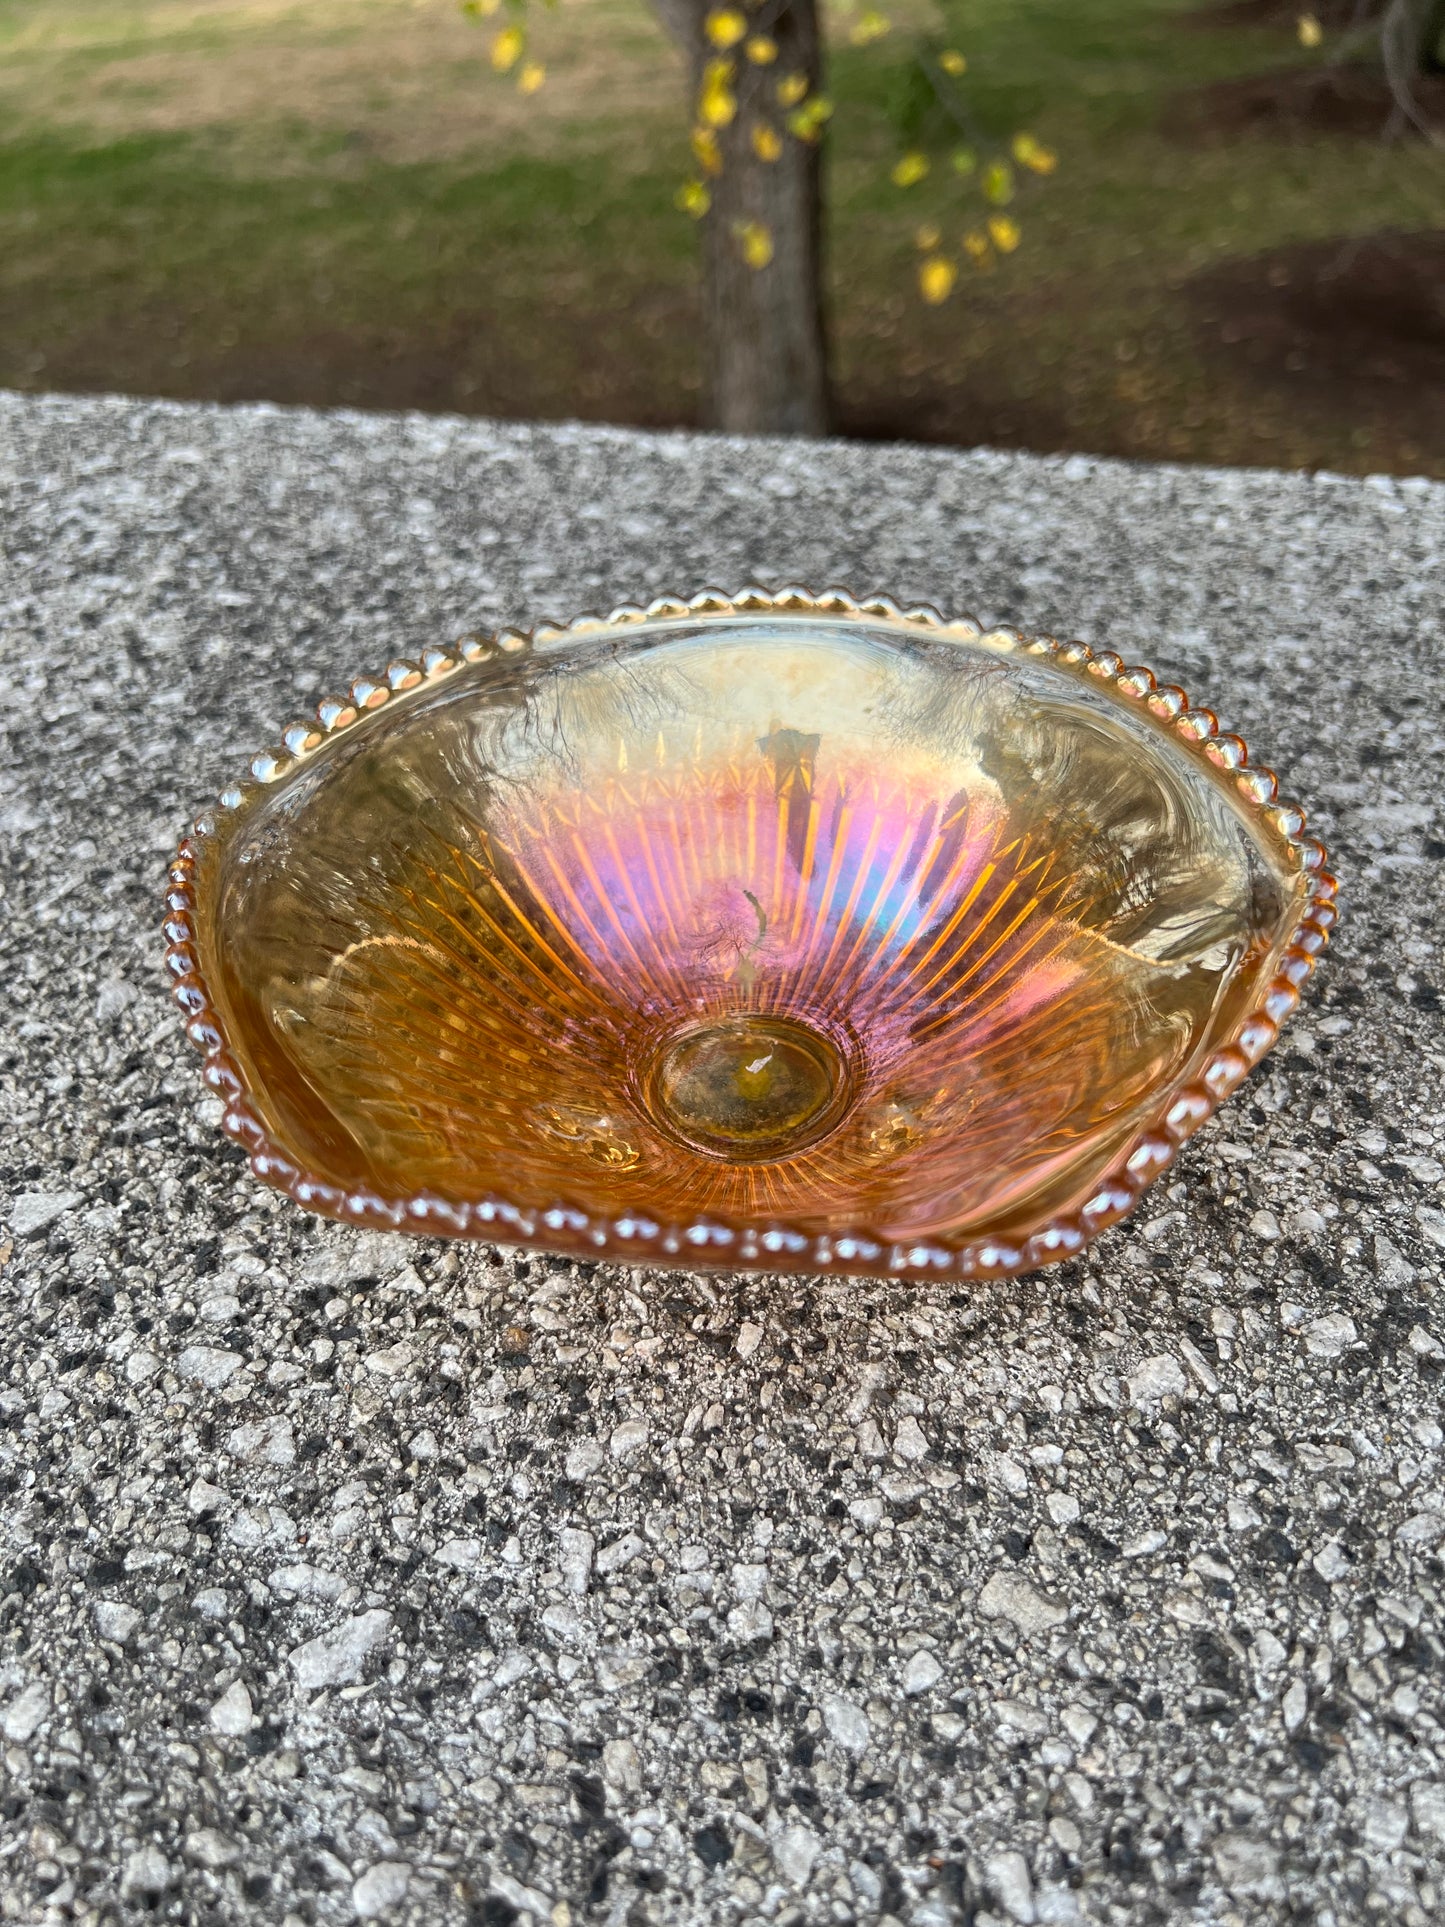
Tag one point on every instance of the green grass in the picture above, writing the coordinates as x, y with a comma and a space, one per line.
538, 267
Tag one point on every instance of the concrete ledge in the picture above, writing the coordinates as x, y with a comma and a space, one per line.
344, 1576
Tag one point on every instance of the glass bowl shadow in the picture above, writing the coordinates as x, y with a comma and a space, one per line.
770, 931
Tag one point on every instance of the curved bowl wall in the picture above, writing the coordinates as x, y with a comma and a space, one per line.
775, 931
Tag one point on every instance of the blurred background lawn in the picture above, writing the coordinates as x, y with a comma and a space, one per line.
338, 203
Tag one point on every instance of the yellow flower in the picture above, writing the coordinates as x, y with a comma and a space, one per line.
806, 122
756, 242
871, 25
927, 237
1033, 154
1311, 33
976, 247
725, 26
694, 199
705, 147
998, 183
767, 142
480, 8
791, 89
964, 160
936, 277
952, 62
761, 49
717, 103
1004, 233
507, 49
531, 77
910, 169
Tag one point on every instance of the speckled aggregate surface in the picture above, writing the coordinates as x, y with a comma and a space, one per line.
344, 1576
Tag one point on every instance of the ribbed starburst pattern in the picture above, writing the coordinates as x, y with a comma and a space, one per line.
767, 930
492, 1020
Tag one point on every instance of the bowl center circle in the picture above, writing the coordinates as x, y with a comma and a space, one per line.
749, 1088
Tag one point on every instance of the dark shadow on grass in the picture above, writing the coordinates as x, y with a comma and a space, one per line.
1303, 103
1359, 322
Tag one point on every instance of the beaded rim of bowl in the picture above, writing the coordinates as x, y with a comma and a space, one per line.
633, 1237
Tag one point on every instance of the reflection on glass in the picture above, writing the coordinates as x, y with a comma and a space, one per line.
761, 920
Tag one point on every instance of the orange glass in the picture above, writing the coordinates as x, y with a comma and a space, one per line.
771, 931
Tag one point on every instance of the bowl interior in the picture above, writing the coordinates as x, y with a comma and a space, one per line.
771, 918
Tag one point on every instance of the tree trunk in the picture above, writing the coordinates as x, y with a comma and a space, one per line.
763, 332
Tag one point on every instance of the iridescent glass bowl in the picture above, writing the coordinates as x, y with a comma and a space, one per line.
777, 931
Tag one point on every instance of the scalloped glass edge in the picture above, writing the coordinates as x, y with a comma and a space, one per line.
633, 1237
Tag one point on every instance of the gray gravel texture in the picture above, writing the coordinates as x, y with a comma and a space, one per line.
346, 1576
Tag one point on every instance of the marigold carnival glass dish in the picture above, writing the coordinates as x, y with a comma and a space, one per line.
775, 930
